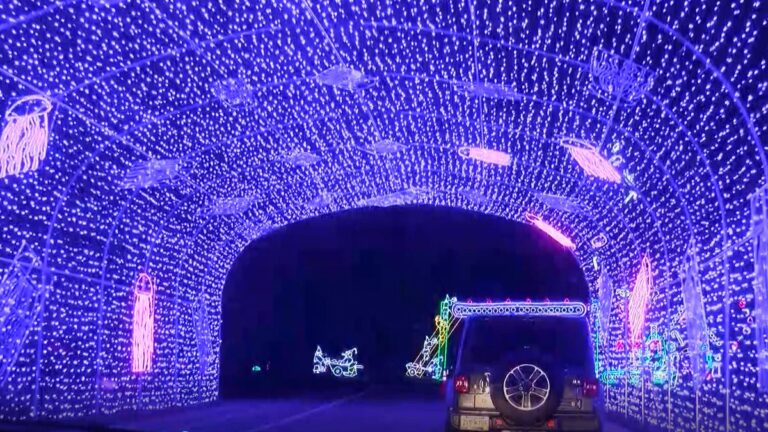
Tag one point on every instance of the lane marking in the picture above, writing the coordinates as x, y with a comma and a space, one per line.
299, 416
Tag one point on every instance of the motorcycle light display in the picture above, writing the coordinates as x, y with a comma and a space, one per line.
346, 366
650, 114
550, 230
143, 340
24, 140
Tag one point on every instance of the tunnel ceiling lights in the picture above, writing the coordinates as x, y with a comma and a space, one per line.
320, 201
475, 196
158, 172
487, 90
403, 197
562, 203
302, 159
384, 147
234, 93
346, 78
251, 230
228, 206
666, 100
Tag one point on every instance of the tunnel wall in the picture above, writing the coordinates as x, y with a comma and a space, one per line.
131, 82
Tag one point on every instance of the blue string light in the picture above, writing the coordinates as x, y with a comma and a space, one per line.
277, 112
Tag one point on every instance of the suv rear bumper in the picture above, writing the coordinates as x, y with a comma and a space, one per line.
559, 422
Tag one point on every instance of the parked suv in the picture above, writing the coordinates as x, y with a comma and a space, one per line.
516, 373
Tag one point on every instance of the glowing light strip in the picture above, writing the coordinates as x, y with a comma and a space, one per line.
562, 309
590, 160
143, 340
638, 300
486, 155
24, 140
550, 230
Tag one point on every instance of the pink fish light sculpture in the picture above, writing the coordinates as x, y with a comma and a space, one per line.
590, 160
638, 301
550, 230
24, 140
490, 156
143, 340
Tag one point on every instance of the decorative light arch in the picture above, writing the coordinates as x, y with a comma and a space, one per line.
149, 131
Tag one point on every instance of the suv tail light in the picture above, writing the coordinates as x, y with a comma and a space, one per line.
461, 384
589, 387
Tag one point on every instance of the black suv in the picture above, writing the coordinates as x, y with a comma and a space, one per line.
517, 373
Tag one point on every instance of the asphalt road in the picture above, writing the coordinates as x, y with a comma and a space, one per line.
369, 411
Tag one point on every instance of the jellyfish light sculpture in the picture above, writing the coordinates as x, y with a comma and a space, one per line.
143, 341
24, 140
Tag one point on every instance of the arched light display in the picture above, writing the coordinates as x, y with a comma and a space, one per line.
648, 114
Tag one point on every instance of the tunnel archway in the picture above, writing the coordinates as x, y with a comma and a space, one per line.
372, 279
161, 137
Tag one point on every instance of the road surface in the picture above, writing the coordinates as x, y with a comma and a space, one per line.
368, 411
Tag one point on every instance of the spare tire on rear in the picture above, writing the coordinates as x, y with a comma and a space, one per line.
526, 391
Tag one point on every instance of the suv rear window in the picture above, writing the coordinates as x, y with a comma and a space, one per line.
489, 340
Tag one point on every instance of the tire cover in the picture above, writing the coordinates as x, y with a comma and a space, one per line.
517, 416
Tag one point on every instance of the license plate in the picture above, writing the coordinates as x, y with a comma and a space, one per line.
475, 423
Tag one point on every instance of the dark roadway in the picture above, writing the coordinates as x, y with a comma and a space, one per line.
369, 411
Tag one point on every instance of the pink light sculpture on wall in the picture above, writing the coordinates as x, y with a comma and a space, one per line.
590, 160
143, 340
638, 300
24, 139
486, 155
550, 230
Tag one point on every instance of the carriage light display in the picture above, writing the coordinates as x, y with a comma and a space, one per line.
346, 366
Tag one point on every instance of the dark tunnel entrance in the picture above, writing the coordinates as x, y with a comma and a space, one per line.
371, 279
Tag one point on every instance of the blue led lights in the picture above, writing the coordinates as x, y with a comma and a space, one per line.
281, 111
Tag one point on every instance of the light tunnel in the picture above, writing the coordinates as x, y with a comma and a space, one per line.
145, 143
